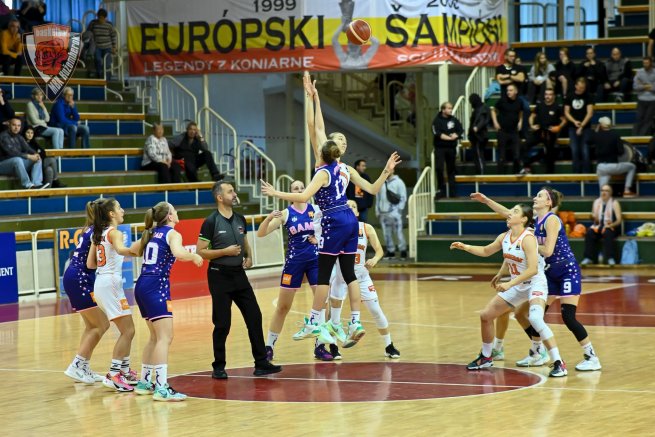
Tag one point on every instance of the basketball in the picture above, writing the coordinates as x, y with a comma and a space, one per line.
358, 32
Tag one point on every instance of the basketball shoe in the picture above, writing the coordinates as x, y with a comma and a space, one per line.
391, 351
336, 330
355, 333
534, 359
168, 394
589, 364
269, 353
78, 374
334, 351
96, 377
498, 354
131, 377
481, 362
321, 354
144, 388
559, 369
117, 382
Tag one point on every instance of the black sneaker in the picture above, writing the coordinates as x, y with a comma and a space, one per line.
219, 374
559, 369
390, 255
481, 362
391, 351
266, 369
403, 254
334, 351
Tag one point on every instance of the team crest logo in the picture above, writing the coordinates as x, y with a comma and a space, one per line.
311, 214
51, 52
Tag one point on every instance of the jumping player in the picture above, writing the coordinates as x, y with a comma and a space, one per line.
160, 245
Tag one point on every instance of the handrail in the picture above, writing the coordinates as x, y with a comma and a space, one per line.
221, 138
181, 104
70, 22
387, 105
420, 205
283, 183
256, 165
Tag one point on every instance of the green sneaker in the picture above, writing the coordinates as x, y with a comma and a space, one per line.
144, 388
336, 330
355, 333
308, 330
498, 354
168, 394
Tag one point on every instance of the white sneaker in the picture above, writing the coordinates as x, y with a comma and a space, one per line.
324, 335
78, 374
534, 359
588, 364
336, 330
96, 377
611, 262
308, 330
498, 354
355, 333
586, 262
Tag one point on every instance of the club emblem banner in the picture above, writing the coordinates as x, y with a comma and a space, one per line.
251, 36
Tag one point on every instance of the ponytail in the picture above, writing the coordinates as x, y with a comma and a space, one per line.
330, 152
90, 215
101, 218
155, 216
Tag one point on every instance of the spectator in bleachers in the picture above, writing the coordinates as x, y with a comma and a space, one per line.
6, 14
510, 73
578, 110
192, 148
619, 76
539, 77
607, 218
507, 117
32, 13
157, 156
644, 85
50, 174
565, 72
447, 131
105, 41
651, 44
478, 132
17, 158
38, 117
609, 148
6, 111
11, 48
64, 115
546, 121
363, 199
595, 72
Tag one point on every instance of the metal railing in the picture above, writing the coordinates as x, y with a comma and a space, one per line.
176, 102
420, 205
252, 164
282, 183
221, 138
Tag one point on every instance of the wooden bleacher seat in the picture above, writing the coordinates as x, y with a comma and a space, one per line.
493, 216
581, 42
633, 9
72, 82
565, 141
132, 151
572, 177
104, 116
110, 190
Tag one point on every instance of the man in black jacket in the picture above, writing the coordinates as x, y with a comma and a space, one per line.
193, 149
507, 116
478, 133
546, 121
17, 157
363, 199
447, 132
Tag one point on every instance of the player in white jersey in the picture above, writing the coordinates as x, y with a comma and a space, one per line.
339, 290
527, 283
106, 256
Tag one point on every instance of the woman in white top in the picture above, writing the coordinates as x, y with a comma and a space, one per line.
106, 256
37, 115
539, 77
157, 156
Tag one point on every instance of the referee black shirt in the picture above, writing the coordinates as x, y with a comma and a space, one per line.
222, 232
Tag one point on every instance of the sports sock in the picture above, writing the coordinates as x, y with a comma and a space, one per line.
486, 349
321, 319
161, 375
79, 362
125, 365
589, 349
272, 338
554, 354
146, 373
387, 339
115, 368
335, 315
354, 316
498, 343
536, 346
314, 317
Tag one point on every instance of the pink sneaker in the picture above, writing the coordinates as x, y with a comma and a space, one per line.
131, 377
117, 382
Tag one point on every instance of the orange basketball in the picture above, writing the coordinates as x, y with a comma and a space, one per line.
358, 32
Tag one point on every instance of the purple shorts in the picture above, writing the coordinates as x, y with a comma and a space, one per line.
153, 296
564, 278
78, 285
294, 271
339, 232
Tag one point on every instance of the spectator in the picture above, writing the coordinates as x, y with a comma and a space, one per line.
32, 13
578, 110
105, 40
192, 148
447, 131
64, 115
512, 72
644, 85
608, 150
11, 48
595, 73
507, 117
38, 117
546, 121
363, 199
565, 71
6, 111
606, 213
478, 133
651, 44
157, 156
539, 77
619, 76
17, 158
389, 206
50, 174
6, 14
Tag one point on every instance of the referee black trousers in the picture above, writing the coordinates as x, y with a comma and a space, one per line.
229, 285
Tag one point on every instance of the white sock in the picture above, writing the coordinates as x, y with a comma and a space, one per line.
554, 354
536, 346
115, 368
146, 373
125, 365
387, 339
272, 338
486, 349
79, 362
321, 319
354, 316
314, 317
589, 349
335, 315
161, 375
498, 343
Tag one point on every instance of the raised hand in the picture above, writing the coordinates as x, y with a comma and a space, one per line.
479, 197
268, 189
457, 245
310, 87
393, 161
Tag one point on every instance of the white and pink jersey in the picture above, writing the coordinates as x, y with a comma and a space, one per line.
515, 255
109, 261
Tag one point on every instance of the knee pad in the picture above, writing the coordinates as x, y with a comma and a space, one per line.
347, 265
377, 313
325, 264
531, 332
571, 322
536, 318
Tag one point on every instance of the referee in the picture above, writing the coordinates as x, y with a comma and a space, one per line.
223, 242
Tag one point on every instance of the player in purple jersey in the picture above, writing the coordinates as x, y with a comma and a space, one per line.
301, 260
160, 245
78, 284
562, 269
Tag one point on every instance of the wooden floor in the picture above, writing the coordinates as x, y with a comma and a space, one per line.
433, 319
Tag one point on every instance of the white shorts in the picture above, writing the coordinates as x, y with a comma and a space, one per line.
535, 288
109, 295
339, 288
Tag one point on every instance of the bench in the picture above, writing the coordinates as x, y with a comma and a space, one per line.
565, 141
581, 42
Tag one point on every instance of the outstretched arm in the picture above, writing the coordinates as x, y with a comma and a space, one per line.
178, 250
310, 90
483, 251
319, 180
495, 206
374, 188
272, 222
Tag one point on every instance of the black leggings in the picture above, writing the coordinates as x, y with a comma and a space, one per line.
326, 263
